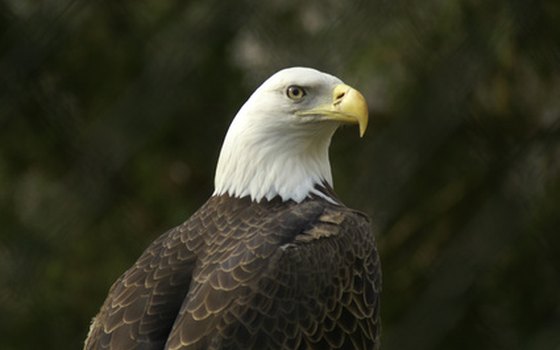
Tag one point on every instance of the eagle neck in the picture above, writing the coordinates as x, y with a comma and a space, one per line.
264, 165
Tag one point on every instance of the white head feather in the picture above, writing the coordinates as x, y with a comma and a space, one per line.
269, 151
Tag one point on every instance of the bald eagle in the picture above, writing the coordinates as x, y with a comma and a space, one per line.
273, 260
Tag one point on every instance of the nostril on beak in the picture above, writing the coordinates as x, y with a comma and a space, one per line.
340, 95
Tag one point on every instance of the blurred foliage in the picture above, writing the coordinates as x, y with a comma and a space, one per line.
112, 114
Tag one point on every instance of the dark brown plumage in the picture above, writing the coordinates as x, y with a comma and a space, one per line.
245, 275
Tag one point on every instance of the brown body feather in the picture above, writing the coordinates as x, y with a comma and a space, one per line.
246, 275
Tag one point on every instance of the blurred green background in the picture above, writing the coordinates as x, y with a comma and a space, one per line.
112, 114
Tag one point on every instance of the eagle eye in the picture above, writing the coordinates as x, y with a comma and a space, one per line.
295, 92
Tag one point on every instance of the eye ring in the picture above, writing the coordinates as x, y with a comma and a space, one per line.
295, 92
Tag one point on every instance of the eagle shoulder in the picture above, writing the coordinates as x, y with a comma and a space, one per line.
143, 302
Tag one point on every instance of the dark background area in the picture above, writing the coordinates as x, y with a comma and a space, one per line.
112, 114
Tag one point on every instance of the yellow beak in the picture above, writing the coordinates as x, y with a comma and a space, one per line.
348, 106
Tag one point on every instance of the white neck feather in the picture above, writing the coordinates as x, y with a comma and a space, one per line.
269, 164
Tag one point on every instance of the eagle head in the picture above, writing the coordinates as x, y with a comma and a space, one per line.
277, 144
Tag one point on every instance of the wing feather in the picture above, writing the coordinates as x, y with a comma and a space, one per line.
142, 304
